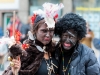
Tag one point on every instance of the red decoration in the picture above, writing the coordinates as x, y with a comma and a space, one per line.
24, 46
17, 35
33, 18
17, 38
56, 16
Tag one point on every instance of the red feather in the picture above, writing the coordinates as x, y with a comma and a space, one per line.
56, 16
33, 18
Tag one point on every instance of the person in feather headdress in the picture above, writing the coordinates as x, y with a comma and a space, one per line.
40, 51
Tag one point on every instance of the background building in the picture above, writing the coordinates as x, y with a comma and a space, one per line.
89, 9
24, 8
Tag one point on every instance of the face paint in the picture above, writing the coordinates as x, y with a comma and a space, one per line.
72, 42
43, 34
69, 39
71, 33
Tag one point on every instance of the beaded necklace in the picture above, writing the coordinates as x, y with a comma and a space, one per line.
49, 63
65, 68
50, 66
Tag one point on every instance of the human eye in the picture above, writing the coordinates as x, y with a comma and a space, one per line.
44, 31
65, 35
71, 37
51, 31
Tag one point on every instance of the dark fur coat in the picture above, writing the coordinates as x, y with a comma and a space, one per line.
31, 62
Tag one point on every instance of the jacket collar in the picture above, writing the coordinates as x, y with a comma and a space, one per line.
76, 51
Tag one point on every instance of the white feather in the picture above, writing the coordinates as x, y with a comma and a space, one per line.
30, 35
9, 41
49, 12
39, 48
50, 22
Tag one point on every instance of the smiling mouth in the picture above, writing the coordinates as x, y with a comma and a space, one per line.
67, 45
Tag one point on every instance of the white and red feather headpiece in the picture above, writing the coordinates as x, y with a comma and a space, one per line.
49, 13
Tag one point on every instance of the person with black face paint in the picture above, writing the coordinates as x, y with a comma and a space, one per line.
74, 58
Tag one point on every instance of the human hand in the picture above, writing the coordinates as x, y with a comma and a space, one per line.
16, 65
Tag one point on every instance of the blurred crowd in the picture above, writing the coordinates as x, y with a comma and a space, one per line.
23, 28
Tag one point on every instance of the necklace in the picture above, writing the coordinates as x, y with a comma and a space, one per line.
50, 66
65, 68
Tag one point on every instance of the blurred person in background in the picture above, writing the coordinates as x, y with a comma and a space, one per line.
1, 31
87, 40
25, 28
74, 58
3, 54
3, 50
17, 24
96, 47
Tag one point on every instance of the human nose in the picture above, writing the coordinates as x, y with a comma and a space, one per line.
68, 39
48, 34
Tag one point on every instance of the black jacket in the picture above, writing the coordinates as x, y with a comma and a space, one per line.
83, 61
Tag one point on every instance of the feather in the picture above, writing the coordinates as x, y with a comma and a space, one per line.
49, 13
39, 48
50, 22
30, 35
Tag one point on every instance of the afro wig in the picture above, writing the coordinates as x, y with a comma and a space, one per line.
71, 21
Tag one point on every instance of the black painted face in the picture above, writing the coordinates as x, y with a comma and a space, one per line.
69, 39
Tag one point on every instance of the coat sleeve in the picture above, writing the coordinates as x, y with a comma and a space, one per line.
92, 67
8, 71
26, 72
32, 68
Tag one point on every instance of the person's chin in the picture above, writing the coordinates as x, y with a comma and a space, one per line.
46, 42
67, 47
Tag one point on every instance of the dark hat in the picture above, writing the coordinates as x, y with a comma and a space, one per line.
38, 18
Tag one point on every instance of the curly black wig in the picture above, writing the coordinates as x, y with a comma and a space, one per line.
71, 21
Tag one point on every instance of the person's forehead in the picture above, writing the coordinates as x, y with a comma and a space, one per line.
44, 26
70, 32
